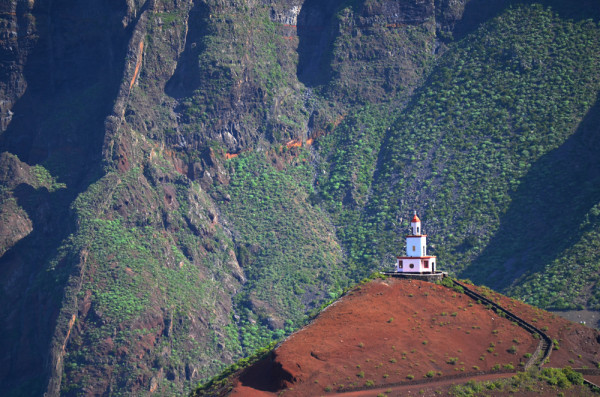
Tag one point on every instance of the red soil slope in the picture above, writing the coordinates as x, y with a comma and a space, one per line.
390, 331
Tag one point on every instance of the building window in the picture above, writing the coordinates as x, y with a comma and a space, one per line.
426, 264
417, 230
423, 250
400, 264
413, 247
411, 265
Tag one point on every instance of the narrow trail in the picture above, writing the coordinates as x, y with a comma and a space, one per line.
408, 387
538, 358
545, 344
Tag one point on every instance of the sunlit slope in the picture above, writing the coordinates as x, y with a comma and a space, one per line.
495, 151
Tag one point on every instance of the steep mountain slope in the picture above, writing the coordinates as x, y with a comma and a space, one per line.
390, 333
183, 181
492, 150
61, 63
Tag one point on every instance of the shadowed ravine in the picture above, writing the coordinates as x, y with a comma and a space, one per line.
73, 74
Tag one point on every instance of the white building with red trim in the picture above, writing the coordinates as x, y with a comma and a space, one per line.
416, 259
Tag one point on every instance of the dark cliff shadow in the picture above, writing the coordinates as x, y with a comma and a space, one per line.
477, 12
580, 10
187, 76
546, 209
317, 29
31, 300
73, 75
266, 375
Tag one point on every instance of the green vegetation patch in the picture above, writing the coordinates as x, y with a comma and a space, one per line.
286, 248
530, 381
145, 291
495, 127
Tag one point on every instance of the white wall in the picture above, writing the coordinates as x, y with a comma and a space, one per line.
418, 265
418, 243
416, 228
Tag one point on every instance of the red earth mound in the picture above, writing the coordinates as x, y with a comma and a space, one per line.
403, 331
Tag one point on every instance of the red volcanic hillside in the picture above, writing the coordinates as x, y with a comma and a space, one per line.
398, 336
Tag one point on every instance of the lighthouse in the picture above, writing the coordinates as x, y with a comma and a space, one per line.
416, 259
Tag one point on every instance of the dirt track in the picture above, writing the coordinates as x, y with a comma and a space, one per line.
424, 390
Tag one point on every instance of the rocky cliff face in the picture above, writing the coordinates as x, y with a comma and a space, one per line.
59, 59
160, 213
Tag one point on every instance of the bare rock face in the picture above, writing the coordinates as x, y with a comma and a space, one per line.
59, 63
403, 12
61, 60
15, 223
286, 12
17, 38
384, 42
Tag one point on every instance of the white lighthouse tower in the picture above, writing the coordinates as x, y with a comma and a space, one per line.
416, 259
